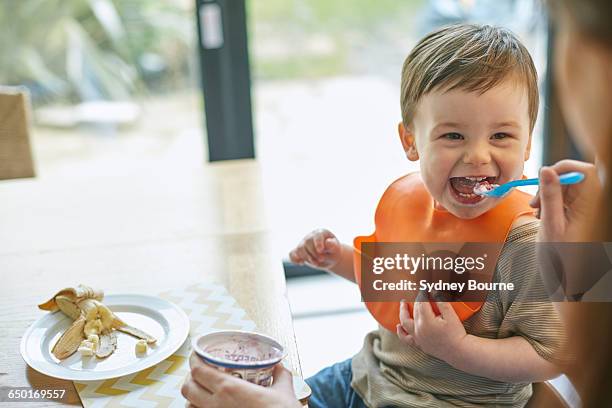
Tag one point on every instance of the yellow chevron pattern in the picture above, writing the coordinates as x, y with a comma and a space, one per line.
106, 388
177, 361
209, 307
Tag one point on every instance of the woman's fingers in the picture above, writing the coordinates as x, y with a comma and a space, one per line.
535, 201
566, 166
564, 210
204, 375
573, 190
283, 379
552, 212
196, 395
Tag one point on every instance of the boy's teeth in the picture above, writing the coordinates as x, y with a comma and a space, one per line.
475, 178
467, 195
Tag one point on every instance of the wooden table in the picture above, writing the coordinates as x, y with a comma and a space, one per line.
144, 231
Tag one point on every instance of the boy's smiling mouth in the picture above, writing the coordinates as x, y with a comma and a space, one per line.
462, 188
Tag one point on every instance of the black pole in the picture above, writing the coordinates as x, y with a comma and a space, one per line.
225, 76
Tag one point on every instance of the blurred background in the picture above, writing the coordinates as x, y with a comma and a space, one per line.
115, 85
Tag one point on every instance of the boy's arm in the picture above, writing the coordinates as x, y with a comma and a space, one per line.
344, 267
512, 359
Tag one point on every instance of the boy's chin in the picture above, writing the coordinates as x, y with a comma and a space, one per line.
467, 212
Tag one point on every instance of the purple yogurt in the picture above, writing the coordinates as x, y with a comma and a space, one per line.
247, 355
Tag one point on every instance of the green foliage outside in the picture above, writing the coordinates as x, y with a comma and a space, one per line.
73, 50
68, 51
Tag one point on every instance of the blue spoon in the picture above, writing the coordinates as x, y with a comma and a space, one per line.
567, 178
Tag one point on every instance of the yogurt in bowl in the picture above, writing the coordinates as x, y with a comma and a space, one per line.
247, 355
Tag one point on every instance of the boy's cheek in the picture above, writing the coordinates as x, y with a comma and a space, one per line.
512, 163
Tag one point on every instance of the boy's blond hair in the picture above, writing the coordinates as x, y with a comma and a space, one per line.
471, 57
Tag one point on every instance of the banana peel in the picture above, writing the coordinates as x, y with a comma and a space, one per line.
73, 295
69, 342
84, 305
67, 306
136, 332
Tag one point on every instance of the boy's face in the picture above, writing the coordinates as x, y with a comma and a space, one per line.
461, 137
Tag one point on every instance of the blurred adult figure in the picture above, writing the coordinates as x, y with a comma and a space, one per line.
581, 213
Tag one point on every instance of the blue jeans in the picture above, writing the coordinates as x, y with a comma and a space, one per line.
331, 388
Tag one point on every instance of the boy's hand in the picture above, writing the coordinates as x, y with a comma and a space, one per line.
438, 336
320, 249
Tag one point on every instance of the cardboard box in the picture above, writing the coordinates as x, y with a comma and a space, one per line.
15, 150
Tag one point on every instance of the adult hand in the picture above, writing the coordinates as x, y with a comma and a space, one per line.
439, 336
565, 211
207, 387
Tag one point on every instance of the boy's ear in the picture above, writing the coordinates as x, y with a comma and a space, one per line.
408, 142
528, 149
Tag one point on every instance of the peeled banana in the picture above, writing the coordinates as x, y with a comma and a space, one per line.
94, 326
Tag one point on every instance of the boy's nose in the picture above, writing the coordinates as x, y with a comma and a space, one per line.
477, 155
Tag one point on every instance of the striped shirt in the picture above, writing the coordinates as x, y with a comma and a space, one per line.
387, 372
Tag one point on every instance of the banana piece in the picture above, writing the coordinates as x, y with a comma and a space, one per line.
141, 347
86, 351
95, 310
106, 316
89, 308
87, 348
69, 342
108, 344
94, 339
92, 327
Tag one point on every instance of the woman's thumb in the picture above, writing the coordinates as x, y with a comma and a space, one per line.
551, 202
282, 378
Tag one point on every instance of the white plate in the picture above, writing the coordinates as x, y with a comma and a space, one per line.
156, 316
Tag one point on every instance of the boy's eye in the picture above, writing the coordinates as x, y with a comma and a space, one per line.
499, 135
453, 136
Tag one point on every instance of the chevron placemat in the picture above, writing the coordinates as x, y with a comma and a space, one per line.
208, 306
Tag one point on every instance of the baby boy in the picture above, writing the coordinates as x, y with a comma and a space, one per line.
469, 101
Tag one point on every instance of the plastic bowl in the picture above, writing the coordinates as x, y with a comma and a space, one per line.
247, 355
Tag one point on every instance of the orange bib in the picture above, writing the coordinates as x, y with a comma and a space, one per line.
406, 213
